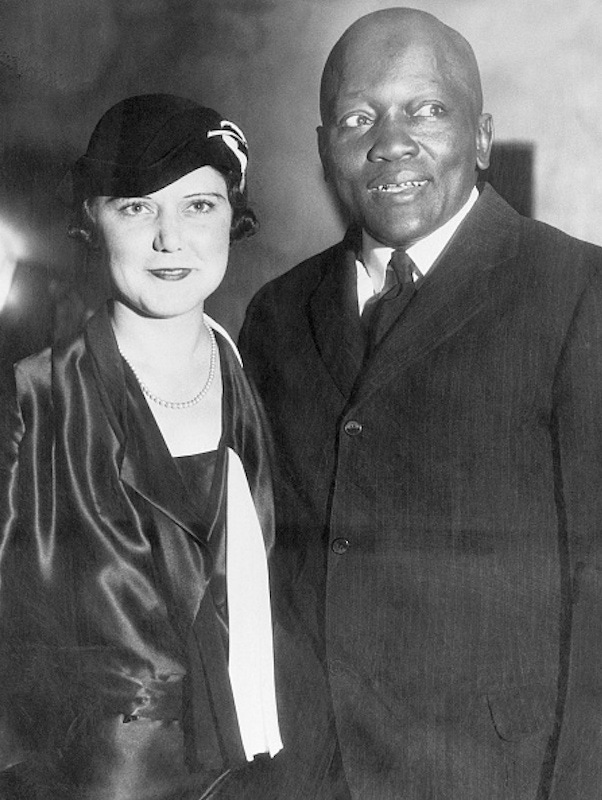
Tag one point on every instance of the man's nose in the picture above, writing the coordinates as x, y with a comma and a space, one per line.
168, 237
393, 140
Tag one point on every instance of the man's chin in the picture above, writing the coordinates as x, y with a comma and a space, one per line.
397, 235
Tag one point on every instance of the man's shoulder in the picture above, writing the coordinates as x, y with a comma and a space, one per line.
531, 240
302, 279
556, 251
280, 305
545, 232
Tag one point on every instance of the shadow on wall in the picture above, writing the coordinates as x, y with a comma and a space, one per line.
511, 174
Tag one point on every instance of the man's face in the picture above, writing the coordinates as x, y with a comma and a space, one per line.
402, 140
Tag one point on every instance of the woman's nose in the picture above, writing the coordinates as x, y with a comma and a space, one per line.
393, 140
167, 234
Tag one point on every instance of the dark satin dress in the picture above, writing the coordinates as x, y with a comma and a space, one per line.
114, 679
203, 700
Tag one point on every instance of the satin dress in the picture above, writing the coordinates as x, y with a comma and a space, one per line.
113, 622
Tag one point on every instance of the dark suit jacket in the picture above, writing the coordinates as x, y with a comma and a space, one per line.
447, 545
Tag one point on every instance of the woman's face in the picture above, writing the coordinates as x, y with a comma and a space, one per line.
166, 251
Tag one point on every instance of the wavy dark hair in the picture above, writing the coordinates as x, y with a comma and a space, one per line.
244, 221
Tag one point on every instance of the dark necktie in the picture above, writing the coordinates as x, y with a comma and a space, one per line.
398, 286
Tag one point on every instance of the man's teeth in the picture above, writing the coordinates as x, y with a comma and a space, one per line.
393, 187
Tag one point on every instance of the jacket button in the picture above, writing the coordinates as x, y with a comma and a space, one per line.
353, 427
340, 546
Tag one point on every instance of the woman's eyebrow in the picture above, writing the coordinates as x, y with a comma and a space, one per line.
204, 194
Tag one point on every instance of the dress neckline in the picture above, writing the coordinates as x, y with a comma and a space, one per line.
197, 456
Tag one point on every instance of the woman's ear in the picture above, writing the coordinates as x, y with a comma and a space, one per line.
76, 232
84, 228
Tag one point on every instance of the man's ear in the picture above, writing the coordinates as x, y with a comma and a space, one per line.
484, 140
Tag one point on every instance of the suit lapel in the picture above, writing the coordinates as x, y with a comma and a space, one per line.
147, 465
334, 318
453, 292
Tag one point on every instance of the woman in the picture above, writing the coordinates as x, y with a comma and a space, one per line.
136, 635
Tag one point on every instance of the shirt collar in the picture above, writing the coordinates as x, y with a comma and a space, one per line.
424, 253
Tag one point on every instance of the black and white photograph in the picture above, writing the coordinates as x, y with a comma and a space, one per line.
300, 400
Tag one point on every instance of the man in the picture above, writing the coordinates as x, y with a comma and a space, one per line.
440, 445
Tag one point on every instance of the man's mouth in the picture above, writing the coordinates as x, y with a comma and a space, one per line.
404, 186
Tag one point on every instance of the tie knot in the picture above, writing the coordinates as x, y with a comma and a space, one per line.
401, 266
399, 283
399, 273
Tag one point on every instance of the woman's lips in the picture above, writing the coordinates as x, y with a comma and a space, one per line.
171, 274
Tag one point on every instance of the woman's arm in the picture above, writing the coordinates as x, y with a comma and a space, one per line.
11, 432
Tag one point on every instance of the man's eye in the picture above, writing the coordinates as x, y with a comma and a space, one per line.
429, 110
356, 121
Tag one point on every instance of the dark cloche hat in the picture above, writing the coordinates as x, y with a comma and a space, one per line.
146, 142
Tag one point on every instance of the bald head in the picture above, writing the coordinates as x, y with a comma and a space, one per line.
403, 134
393, 30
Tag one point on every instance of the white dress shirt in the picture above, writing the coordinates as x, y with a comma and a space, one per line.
375, 256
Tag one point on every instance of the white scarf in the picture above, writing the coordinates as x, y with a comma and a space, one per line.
251, 660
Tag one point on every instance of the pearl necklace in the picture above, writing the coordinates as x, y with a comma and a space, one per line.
178, 406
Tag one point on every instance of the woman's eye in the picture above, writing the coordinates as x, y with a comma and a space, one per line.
429, 110
201, 206
134, 209
356, 121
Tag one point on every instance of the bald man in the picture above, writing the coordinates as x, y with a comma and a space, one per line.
434, 383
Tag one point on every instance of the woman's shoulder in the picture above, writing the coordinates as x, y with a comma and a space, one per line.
34, 368
24, 385
37, 369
